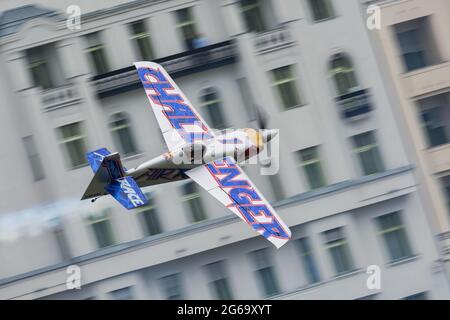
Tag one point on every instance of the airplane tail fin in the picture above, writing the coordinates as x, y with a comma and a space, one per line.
109, 178
95, 158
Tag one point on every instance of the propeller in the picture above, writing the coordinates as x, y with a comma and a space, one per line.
262, 120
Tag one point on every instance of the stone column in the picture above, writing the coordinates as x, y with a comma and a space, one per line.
74, 63
232, 16
17, 62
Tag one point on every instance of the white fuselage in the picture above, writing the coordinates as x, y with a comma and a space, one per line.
239, 144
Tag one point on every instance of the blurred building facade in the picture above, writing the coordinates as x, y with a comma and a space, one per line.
346, 185
415, 47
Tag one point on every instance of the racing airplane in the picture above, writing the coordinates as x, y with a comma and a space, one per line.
209, 157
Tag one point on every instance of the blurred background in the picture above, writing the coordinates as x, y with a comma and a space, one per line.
359, 90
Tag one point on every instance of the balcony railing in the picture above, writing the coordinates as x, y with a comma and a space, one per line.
177, 65
272, 40
355, 105
60, 97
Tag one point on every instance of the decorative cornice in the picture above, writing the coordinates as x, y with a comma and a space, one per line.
201, 226
177, 65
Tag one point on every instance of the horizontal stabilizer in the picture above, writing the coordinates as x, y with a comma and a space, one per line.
107, 168
127, 192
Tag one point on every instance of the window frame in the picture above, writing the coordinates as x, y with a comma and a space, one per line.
152, 207
177, 280
34, 67
114, 129
116, 294
188, 197
359, 150
402, 228
244, 10
341, 242
183, 25
57, 227
214, 279
445, 180
215, 103
316, 161
329, 7
292, 79
347, 69
38, 60
314, 277
145, 35
267, 265
63, 144
102, 217
99, 47
417, 26
440, 125
34, 158
419, 51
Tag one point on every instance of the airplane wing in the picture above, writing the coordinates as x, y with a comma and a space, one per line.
179, 122
226, 181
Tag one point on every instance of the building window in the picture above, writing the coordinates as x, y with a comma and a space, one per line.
276, 185
321, 9
96, 52
434, 123
265, 272
447, 192
72, 141
366, 148
446, 183
411, 49
218, 280
417, 296
171, 286
337, 246
252, 13
34, 159
210, 102
57, 228
186, 25
343, 74
149, 216
121, 130
101, 226
141, 39
369, 297
122, 294
44, 66
192, 198
416, 43
394, 235
310, 163
285, 85
308, 261
39, 66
